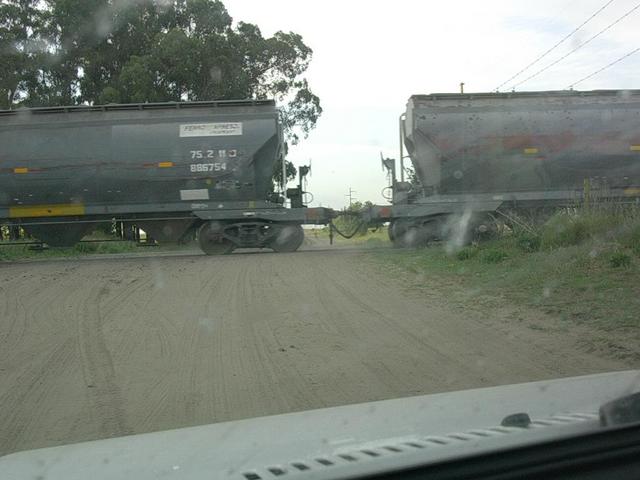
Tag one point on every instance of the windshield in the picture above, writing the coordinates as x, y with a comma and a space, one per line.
213, 211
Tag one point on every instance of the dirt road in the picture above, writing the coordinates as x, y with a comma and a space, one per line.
102, 347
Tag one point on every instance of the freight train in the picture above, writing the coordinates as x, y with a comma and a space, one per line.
168, 168
175, 168
475, 155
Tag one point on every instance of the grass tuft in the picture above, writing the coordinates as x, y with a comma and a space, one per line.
620, 260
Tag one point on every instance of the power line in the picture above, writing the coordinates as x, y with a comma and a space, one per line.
565, 38
579, 46
603, 68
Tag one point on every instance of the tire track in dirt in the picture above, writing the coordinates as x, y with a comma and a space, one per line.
278, 377
103, 392
35, 390
42, 371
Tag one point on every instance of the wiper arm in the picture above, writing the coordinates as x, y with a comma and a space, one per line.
621, 411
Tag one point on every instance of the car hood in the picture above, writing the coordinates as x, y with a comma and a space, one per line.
339, 442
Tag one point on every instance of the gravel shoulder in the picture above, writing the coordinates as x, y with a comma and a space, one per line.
98, 347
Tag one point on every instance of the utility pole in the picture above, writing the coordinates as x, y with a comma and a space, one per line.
461, 87
350, 195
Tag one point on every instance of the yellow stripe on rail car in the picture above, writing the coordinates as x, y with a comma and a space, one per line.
59, 210
632, 192
165, 164
21, 170
635, 148
530, 150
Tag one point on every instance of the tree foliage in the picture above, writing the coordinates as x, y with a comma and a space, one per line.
66, 52
350, 218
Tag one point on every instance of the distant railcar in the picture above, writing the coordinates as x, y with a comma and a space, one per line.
479, 153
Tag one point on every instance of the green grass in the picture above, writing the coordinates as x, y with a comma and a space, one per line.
586, 282
579, 268
467, 253
528, 242
605, 223
494, 255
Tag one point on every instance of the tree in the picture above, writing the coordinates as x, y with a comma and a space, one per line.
21, 46
292, 172
106, 51
350, 219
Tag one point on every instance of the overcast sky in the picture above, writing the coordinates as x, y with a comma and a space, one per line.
370, 56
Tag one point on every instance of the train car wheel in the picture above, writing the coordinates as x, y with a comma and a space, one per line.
403, 234
211, 241
288, 239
